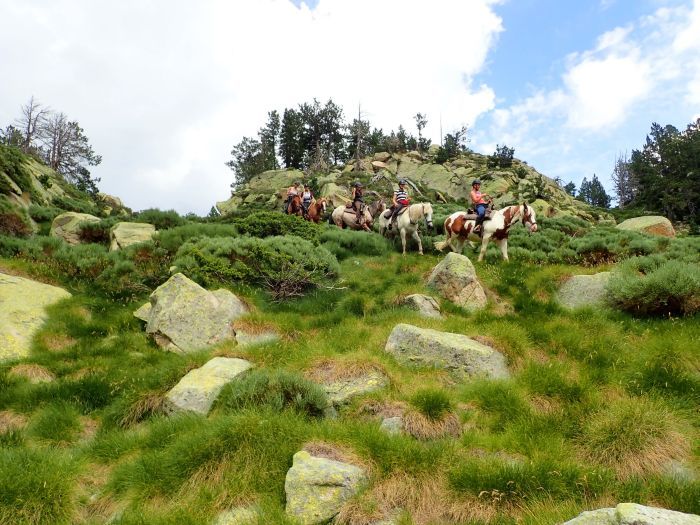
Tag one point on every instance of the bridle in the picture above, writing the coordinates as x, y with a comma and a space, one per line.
527, 218
411, 221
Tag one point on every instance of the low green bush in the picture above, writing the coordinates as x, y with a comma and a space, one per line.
268, 224
646, 286
43, 213
348, 243
96, 232
64, 202
277, 390
172, 238
57, 423
13, 225
287, 266
162, 220
12, 164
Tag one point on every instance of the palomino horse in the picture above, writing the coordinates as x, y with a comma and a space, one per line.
459, 229
316, 209
408, 222
344, 217
294, 206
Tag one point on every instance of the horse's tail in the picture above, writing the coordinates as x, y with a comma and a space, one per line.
440, 245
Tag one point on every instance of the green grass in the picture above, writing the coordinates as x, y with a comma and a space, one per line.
590, 391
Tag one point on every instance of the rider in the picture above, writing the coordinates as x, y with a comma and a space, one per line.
292, 192
357, 199
480, 202
306, 197
399, 200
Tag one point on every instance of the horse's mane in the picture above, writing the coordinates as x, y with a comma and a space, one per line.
413, 209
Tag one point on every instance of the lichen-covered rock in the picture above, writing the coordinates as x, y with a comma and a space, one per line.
427, 306
584, 290
334, 194
377, 165
110, 200
454, 352
184, 317
392, 425
238, 516
455, 279
125, 234
634, 514
199, 388
382, 156
23, 305
652, 224
66, 225
316, 488
342, 390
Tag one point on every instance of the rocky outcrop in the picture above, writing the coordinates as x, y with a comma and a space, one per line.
125, 234
184, 317
197, 391
455, 352
584, 290
67, 226
455, 279
425, 305
382, 156
23, 305
634, 514
652, 224
271, 185
343, 390
316, 488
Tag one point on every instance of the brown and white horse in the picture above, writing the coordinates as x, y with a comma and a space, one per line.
458, 229
316, 210
344, 217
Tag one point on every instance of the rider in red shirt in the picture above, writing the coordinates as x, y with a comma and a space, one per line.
480, 201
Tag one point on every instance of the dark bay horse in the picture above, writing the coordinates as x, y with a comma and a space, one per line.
316, 211
294, 206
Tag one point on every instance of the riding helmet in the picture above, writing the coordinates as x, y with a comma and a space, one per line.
357, 184
476, 181
402, 181
297, 183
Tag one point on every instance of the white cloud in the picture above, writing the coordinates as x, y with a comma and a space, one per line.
164, 89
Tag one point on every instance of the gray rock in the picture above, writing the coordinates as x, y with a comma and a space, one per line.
67, 225
184, 317
382, 156
584, 290
652, 224
341, 391
455, 352
634, 514
199, 388
427, 306
125, 234
238, 516
455, 279
316, 488
392, 425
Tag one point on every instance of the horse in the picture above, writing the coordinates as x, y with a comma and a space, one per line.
459, 228
408, 222
294, 206
316, 209
344, 217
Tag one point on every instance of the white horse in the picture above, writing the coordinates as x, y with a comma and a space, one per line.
408, 222
459, 229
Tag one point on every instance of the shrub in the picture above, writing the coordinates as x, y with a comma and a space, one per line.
13, 225
96, 232
432, 403
12, 164
67, 203
171, 239
286, 266
646, 286
348, 243
43, 213
267, 224
278, 390
162, 220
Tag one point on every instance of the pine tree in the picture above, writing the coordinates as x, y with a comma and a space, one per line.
292, 145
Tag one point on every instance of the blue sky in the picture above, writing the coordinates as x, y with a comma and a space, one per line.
165, 88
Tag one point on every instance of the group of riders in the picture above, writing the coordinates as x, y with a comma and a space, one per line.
400, 200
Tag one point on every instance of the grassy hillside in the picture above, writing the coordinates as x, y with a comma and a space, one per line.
601, 407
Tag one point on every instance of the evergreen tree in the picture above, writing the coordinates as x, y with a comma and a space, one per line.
269, 138
623, 181
502, 157
292, 146
593, 193
421, 121
570, 188
248, 160
584, 191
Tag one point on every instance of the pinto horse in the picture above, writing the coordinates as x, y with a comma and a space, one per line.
294, 206
316, 210
459, 229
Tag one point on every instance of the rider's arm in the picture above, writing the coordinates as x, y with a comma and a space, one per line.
352, 196
393, 200
473, 196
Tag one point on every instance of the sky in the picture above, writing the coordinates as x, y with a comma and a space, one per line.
165, 88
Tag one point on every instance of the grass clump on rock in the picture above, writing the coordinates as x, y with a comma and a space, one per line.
432, 416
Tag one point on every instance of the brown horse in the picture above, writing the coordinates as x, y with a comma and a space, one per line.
316, 210
294, 206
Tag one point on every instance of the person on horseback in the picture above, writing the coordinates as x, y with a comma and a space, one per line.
399, 200
480, 201
306, 197
357, 199
292, 192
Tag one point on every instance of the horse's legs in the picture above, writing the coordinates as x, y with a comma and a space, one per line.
484, 245
403, 239
503, 245
417, 239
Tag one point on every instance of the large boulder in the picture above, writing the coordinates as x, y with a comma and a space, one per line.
199, 388
382, 156
584, 290
455, 352
22, 312
334, 194
425, 305
125, 234
634, 514
184, 317
316, 488
341, 391
66, 225
455, 278
652, 224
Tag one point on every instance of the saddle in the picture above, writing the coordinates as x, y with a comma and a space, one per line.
388, 212
472, 215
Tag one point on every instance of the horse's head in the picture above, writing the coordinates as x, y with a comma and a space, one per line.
529, 218
322, 204
428, 214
